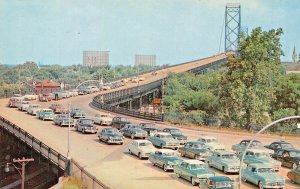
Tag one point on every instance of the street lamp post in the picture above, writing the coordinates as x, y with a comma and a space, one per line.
23, 162
69, 129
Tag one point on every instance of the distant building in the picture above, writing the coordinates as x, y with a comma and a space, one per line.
149, 60
46, 86
294, 56
95, 58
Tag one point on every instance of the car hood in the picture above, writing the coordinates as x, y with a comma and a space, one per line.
203, 172
216, 145
232, 162
115, 135
173, 159
179, 136
106, 119
271, 177
266, 160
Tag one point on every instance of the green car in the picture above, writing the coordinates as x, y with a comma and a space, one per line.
194, 150
165, 158
294, 175
164, 140
217, 182
45, 114
225, 161
262, 175
193, 170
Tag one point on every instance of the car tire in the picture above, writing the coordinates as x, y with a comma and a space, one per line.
140, 155
209, 165
121, 143
161, 146
224, 170
60, 124
294, 166
177, 175
260, 186
83, 131
132, 136
244, 179
165, 168
153, 164
193, 182
182, 154
100, 123
129, 151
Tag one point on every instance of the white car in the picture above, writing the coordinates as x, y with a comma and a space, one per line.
33, 109
141, 148
106, 87
74, 92
23, 106
102, 119
211, 143
30, 97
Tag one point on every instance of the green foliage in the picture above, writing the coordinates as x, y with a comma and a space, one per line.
288, 126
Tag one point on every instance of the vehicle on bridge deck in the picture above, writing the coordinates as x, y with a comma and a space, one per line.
134, 131
141, 78
294, 175
45, 114
14, 101
195, 150
111, 135
106, 87
102, 119
74, 92
91, 89
149, 128
212, 143
262, 175
165, 158
141, 148
288, 157
164, 140
33, 109
193, 170
217, 182
85, 125
63, 120
58, 108
239, 148
177, 134
77, 113
23, 106
225, 161
279, 145
45, 97
120, 121
30, 97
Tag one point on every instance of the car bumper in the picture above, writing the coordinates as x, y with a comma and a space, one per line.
140, 136
79, 116
47, 118
106, 122
233, 170
171, 146
90, 131
115, 141
182, 141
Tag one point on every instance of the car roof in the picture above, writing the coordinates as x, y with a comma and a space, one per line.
165, 150
256, 150
219, 178
47, 109
260, 165
247, 140
162, 133
194, 142
193, 161
170, 128
280, 142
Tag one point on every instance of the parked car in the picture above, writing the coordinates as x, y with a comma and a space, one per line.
294, 175
14, 101
165, 158
212, 143
141, 148
85, 125
195, 150
33, 109
74, 92
225, 161
91, 89
262, 175
239, 148
193, 171
133, 131
45, 97
30, 97
279, 145
164, 140
102, 119
77, 113
111, 135
288, 157
260, 156
124, 80
65, 94
63, 120
149, 128
58, 108
177, 134
23, 106
106, 87
217, 182
45, 114
120, 121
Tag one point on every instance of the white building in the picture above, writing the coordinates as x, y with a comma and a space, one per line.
95, 58
149, 60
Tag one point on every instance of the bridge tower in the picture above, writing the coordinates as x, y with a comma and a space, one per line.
232, 26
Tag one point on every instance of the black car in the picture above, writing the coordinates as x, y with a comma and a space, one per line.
177, 134
288, 157
149, 128
119, 122
279, 145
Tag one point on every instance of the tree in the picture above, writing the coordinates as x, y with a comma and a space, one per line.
247, 87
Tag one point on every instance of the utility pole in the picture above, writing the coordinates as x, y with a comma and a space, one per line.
162, 100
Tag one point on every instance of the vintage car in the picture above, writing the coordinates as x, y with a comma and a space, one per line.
120, 121
63, 120
85, 125
288, 157
30, 97
177, 134
45, 114
14, 101
74, 92
195, 150
193, 170
102, 119
141, 148
45, 97
111, 135
239, 148
105, 87
164, 140
33, 109
260, 156
133, 131
217, 182
225, 161
58, 108
91, 89
165, 158
23, 106
211, 143
77, 113
279, 145
149, 128
294, 175
262, 175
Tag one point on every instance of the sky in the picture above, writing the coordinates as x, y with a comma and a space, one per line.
176, 31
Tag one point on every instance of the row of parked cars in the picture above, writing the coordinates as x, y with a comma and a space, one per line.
171, 150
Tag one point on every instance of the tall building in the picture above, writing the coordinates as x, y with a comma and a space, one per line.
149, 60
95, 58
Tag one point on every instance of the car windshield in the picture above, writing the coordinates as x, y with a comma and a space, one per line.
175, 131
136, 127
47, 111
255, 144
124, 119
223, 184
294, 154
145, 144
229, 156
261, 155
110, 131
170, 154
287, 145
86, 121
149, 125
197, 166
166, 136
266, 170
198, 146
